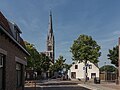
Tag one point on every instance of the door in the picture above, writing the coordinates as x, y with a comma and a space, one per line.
73, 75
93, 75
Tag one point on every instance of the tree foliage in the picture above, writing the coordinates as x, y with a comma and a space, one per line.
39, 62
113, 55
85, 49
108, 68
59, 65
34, 55
44, 62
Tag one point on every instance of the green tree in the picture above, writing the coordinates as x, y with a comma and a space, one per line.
59, 65
34, 56
108, 68
39, 62
67, 67
44, 63
113, 55
85, 49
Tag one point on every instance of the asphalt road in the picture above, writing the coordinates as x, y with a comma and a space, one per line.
57, 87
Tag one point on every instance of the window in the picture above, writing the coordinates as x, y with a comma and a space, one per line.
1, 61
17, 36
1, 71
50, 54
49, 48
76, 66
90, 66
73, 74
18, 74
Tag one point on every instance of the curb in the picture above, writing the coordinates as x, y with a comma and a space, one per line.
60, 83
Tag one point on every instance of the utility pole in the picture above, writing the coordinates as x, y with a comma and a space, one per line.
118, 76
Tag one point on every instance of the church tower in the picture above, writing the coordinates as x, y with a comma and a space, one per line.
50, 40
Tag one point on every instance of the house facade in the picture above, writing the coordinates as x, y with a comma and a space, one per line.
12, 56
77, 71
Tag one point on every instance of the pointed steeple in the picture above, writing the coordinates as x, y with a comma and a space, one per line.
50, 39
50, 24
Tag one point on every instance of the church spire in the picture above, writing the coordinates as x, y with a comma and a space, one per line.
50, 39
50, 23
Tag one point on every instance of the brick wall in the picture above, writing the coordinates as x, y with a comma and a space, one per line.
10, 63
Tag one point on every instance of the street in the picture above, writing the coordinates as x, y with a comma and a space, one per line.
69, 85
57, 87
54, 85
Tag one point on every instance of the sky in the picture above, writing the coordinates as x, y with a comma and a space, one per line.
71, 18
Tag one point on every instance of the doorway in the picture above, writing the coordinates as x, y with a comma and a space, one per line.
73, 75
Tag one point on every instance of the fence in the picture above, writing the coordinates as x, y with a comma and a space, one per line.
108, 76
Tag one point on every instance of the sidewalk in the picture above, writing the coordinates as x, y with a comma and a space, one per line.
104, 86
49, 82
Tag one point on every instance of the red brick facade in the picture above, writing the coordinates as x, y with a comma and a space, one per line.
14, 52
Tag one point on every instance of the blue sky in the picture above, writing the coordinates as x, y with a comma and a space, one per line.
97, 18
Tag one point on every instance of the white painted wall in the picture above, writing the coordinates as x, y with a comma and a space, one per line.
80, 73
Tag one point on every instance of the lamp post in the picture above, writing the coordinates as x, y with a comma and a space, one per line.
86, 71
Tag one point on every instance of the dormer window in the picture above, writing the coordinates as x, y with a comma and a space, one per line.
17, 33
17, 36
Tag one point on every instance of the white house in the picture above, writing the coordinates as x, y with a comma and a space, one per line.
77, 70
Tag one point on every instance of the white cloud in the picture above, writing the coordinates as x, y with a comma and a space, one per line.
116, 32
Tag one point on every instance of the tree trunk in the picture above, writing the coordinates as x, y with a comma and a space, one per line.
117, 73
